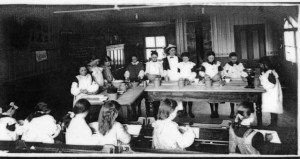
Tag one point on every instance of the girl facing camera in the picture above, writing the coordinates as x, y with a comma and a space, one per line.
167, 134
110, 131
243, 139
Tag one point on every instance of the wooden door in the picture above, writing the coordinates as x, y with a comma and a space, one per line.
250, 41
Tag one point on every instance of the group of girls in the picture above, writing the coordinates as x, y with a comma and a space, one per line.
173, 68
90, 83
40, 126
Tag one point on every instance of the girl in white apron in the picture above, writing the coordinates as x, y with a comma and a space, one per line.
83, 85
243, 139
212, 69
272, 98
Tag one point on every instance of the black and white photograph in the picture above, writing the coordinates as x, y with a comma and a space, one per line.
154, 79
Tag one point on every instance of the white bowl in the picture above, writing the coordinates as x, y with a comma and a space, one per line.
117, 83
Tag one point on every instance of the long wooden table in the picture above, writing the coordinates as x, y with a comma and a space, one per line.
234, 91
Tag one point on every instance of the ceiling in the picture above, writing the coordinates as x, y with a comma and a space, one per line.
166, 13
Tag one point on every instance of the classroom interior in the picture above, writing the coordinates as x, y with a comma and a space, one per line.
70, 34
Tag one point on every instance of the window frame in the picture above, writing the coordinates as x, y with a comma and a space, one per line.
153, 48
294, 30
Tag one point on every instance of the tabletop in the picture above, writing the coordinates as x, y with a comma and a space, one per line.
130, 95
233, 86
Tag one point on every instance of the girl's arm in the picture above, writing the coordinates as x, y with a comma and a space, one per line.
186, 139
75, 87
122, 134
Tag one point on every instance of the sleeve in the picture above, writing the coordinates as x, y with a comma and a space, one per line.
141, 74
258, 141
147, 68
272, 78
186, 139
162, 72
74, 87
122, 134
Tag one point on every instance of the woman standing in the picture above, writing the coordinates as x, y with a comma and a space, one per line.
171, 63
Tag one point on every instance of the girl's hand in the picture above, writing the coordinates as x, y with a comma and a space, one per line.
83, 91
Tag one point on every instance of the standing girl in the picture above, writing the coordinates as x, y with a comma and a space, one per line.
272, 98
170, 63
8, 124
186, 67
212, 69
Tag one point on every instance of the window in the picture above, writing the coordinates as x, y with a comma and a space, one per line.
290, 41
155, 43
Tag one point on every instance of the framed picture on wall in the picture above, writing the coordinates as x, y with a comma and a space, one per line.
41, 55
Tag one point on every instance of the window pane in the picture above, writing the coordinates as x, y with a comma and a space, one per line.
290, 53
150, 42
289, 38
160, 52
148, 54
160, 41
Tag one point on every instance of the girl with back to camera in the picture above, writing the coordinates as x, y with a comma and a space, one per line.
110, 131
78, 131
167, 134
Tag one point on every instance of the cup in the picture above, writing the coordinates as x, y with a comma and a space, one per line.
227, 80
157, 82
134, 84
196, 80
112, 96
208, 83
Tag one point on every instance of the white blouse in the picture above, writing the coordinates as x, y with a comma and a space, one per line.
186, 70
115, 136
173, 72
166, 135
155, 68
40, 129
79, 132
97, 75
235, 71
211, 70
7, 135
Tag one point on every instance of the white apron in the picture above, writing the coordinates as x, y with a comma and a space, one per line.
272, 98
173, 71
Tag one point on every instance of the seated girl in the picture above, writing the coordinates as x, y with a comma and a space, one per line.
40, 126
243, 139
83, 84
167, 135
78, 131
8, 124
109, 130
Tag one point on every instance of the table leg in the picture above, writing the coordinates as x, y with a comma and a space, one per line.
258, 112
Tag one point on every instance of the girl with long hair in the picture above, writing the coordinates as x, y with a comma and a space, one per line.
109, 130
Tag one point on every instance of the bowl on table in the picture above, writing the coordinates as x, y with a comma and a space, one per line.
151, 77
134, 84
117, 83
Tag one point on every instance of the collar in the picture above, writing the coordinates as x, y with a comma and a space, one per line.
231, 64
135, 63
170, 57
212, 63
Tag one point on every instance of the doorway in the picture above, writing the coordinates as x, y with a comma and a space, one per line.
250, 41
